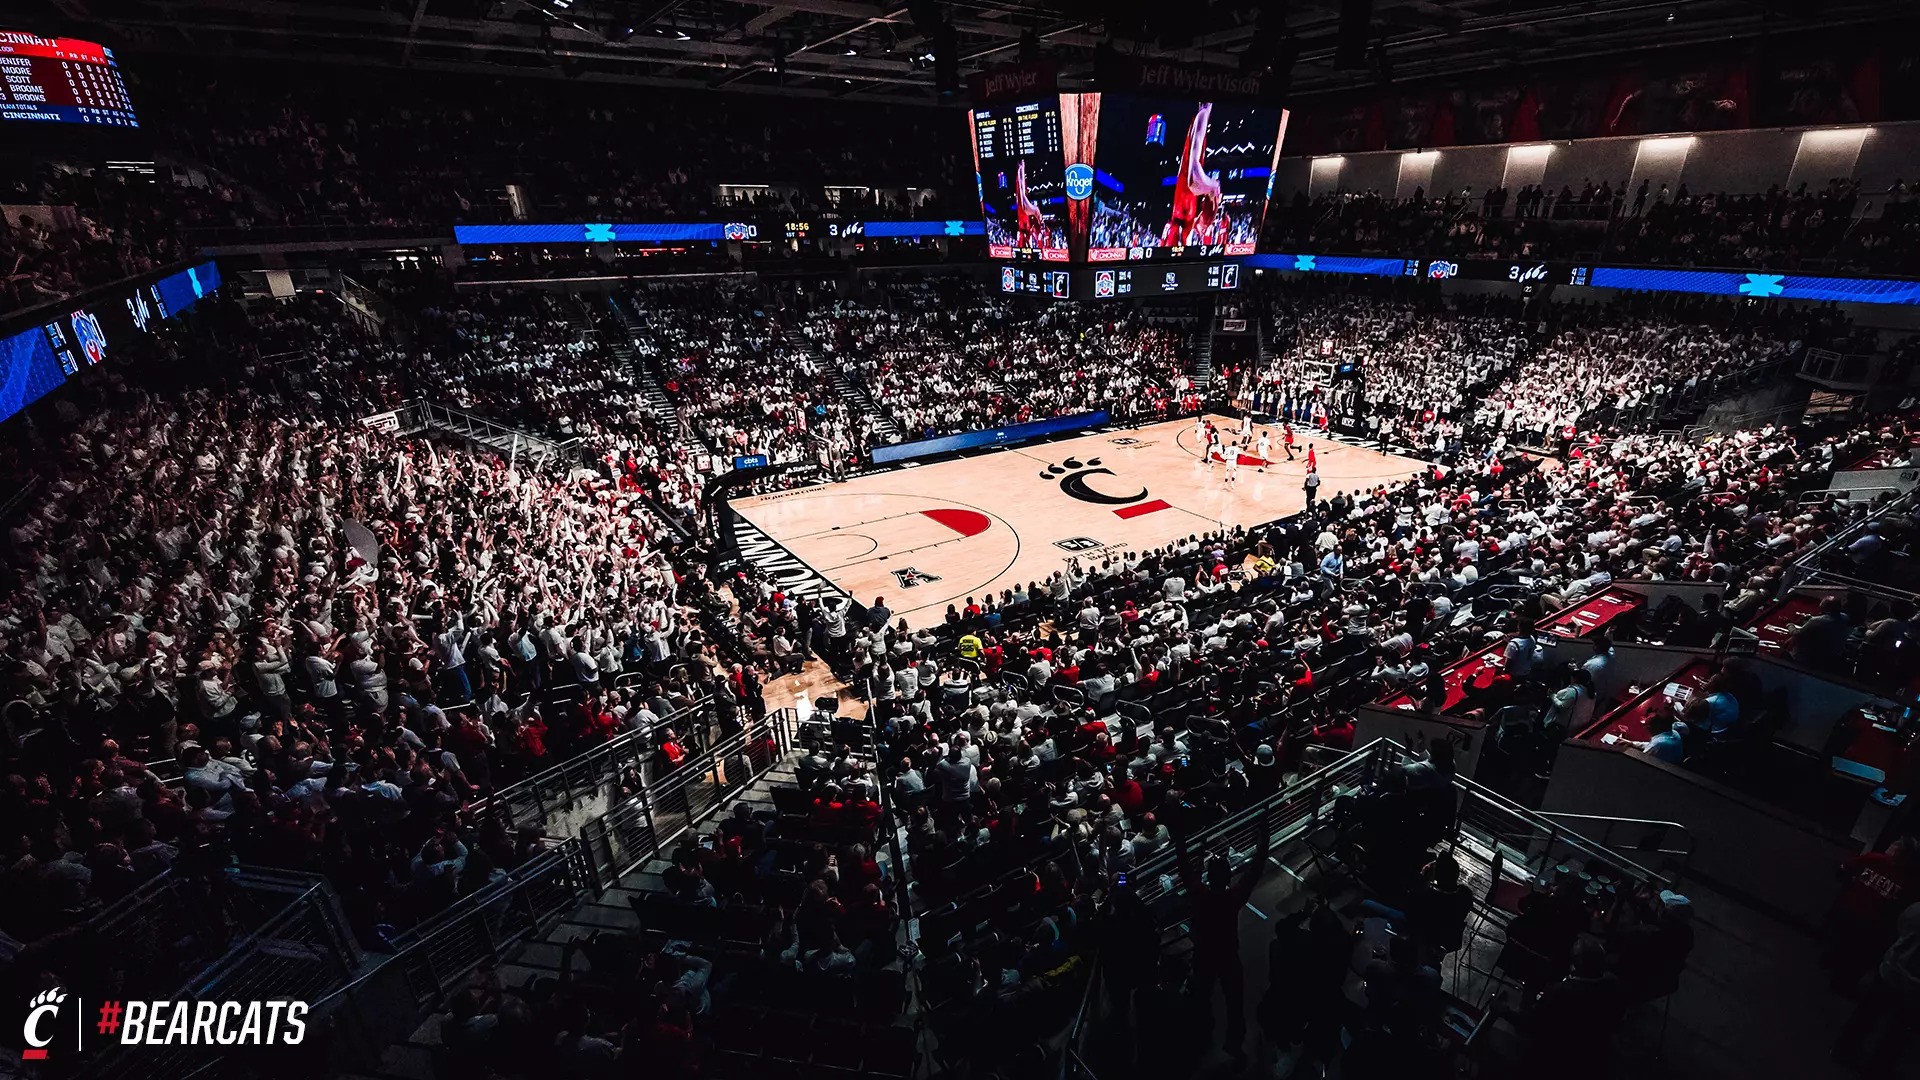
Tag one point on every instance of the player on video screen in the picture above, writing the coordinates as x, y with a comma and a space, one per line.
1196, 193
1030, 227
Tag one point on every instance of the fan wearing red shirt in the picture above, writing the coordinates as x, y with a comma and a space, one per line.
992, 657
1879, 886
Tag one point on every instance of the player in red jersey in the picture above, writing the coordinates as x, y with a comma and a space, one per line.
1029, 226
1196, 193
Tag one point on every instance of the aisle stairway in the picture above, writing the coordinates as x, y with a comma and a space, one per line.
541, 958
653, 383
859, 401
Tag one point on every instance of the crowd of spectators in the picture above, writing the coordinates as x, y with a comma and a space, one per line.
345, 635
1419, 368
68, 228
946, 357
339, 636
354, 146
1010, 746
1835, 226
1420, 360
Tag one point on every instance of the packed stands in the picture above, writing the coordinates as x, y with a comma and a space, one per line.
1823, 227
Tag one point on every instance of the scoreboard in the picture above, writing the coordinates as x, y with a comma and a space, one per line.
61, 80
1020, 171
1121, 282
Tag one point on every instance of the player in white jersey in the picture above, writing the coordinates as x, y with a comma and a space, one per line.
1233, 466
1263, 449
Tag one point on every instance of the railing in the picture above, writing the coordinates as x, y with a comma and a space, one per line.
436, 959
1073, 1057
360, 1020
1830, 366
541, 449
652, 819
1522, 838
1287, 815
1810, 568
1533, 843
1650, 838
13, 502
535, 800
1728, 424
293, 945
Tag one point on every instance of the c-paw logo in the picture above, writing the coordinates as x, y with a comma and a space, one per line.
38, 1030
1073, 475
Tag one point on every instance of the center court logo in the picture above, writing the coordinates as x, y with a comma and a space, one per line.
52, 1014
1073, 475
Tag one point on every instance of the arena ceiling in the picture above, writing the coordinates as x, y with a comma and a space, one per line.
887, 50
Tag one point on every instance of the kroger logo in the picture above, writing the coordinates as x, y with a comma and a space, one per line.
1441, 268
1079, 181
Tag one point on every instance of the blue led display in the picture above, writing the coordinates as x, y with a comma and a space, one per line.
28, 370
1367, 266
180, 291
1005, 436
903, 229
1757, 285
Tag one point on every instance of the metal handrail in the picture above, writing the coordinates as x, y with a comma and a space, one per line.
1295, 810
1685, 854
1808, 567
1554, 836
1300, 812
625, 837
1071, 1052
562, 784
438, 959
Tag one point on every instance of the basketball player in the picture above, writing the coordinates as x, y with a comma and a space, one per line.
1287, 439
1263, 449
1312, 465
1233, 467
1214, 448
1200, 430
1196, 194
1246, 423
1030, 227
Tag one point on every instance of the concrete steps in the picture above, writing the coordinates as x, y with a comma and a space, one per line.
856, 397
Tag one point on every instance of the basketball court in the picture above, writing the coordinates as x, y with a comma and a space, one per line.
927, 536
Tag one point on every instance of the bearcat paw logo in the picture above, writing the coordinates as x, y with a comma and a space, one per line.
1073, 473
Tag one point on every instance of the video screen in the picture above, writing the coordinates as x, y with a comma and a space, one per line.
1181, 179
61, 81
1020, 169
28, 370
